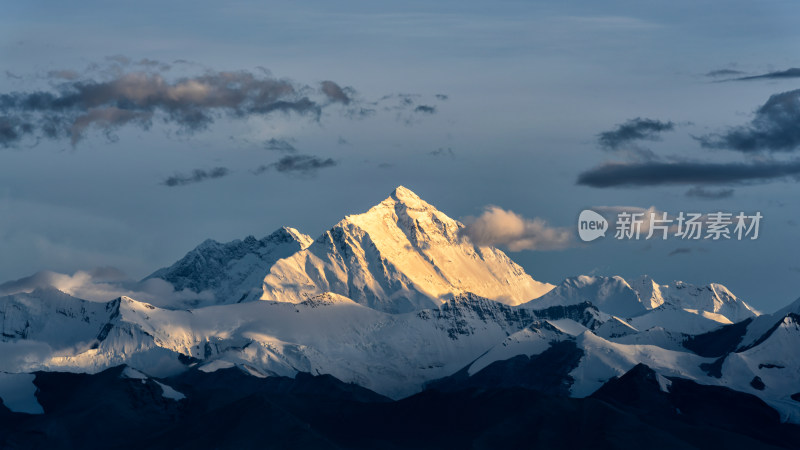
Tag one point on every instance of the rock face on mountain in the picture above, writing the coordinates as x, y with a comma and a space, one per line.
399, 256
231, 272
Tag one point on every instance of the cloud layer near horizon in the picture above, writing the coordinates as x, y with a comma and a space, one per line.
95, 285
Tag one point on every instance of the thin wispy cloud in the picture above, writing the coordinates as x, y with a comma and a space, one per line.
633, 131
498, 227
304, 165
724, 73
280, 145
606, 23
442, 151
407, 107
102, 285
196, 176
709, 194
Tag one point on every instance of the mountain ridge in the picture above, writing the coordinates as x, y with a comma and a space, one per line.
391, 300
401, 255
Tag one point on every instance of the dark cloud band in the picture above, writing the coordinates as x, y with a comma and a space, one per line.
664, 173
298, 165
197, 176
775, 128
781, 74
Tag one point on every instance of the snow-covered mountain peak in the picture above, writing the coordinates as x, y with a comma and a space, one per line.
401, 255
403, 195
404, 211
231, 272
285, 235
649, 291
612, 295
713, 298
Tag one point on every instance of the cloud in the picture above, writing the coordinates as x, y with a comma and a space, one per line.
442, 97
775, 128
781, 74
633, 130
23, 355
103, 284
652, 173
107, 119
335, 93
441, 151
13, 130
499, 227
680, 251
63, 74
197, 176
298, 164
280, 145
139, 93
709, 194
406, 106
724, 73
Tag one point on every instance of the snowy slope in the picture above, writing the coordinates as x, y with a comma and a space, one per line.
605, 359
52, 317
393, 354
677, 319
611, 295
230, 272
713, 298
761, 325
531, 340
401, 255
644, 304
771, 368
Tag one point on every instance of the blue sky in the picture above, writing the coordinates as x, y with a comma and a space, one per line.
529, 86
